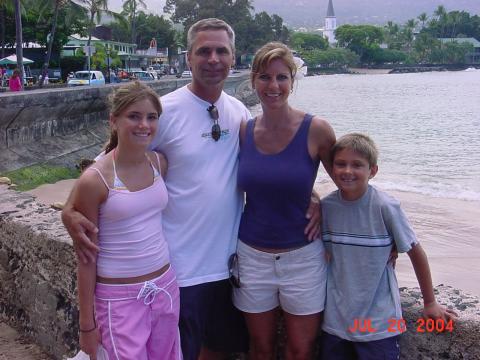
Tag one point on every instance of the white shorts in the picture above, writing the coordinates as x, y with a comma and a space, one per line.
296, 280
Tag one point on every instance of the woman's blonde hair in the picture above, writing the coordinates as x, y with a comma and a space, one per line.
269, 52
122, 98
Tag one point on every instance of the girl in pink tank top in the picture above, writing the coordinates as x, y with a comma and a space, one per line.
128, 299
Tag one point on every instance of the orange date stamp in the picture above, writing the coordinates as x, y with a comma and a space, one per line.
400, 326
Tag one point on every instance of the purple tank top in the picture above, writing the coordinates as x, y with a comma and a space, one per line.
278, 189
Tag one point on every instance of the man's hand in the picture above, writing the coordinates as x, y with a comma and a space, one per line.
314, 214
80, 229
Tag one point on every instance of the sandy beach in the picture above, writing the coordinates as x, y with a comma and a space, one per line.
448, 230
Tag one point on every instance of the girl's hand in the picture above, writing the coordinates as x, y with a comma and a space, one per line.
89, 342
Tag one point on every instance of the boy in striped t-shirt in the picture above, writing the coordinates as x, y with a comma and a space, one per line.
361, 227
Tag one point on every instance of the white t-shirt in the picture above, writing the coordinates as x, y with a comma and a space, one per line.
204, 207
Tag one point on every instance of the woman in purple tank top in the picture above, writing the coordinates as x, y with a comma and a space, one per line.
278, 266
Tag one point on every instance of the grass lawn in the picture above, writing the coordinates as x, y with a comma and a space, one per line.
33, 176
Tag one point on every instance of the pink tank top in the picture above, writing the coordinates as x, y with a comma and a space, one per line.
131, 239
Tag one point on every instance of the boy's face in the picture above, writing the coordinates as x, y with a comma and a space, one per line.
351, 172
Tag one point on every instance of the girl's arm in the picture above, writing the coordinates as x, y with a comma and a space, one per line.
91, 192
431, 309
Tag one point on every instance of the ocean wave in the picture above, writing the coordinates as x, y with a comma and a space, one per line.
449, 191
438, 190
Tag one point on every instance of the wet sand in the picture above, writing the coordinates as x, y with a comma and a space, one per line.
448, 229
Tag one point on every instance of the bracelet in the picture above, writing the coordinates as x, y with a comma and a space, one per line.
89, 330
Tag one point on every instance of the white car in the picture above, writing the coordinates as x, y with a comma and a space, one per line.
81, 78
187, 74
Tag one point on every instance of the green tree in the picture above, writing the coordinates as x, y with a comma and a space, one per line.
359, 38
99, 59
251, 31
330, 58
308, 41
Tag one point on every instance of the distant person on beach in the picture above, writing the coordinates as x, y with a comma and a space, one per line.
198, 133
279, 265
361, 224
15, 82
129, 298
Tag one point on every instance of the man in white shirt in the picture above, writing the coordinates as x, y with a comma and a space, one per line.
198, 133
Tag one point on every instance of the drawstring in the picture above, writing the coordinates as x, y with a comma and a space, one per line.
150, 290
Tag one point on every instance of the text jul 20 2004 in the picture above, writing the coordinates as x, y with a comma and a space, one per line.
400, 325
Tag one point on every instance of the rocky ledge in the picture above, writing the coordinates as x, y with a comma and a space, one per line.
38, 289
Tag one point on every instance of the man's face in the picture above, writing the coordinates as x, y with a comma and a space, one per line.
210, 58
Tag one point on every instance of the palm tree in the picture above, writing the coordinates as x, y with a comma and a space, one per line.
95, 10
18, 39
423, 18
56, 6
130, 8
441, 15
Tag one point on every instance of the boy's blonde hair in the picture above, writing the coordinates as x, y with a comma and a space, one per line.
359, 143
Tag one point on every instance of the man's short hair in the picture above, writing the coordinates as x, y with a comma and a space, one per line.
359, 143
210, 24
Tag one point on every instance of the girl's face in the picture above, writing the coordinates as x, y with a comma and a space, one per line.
137, 124
273, 84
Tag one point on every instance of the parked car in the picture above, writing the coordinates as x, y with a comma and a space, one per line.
81, 78
187, 74
143, 75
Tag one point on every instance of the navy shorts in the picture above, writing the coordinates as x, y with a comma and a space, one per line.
335, 348
208, 318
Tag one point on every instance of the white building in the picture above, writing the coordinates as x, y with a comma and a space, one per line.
330, 24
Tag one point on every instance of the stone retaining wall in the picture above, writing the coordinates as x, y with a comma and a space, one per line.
50, 124
37, 288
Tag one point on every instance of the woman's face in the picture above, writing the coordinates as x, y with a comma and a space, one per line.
137, 124
273, 84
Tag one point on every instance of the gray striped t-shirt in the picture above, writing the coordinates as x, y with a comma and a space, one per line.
361, 285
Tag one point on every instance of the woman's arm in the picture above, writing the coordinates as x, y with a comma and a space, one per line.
90, 193
325, 139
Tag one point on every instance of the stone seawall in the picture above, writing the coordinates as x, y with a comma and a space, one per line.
38, 289
62, 125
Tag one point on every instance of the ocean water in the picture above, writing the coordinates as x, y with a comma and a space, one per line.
426, 125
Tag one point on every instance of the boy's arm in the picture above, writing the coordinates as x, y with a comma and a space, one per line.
431, 309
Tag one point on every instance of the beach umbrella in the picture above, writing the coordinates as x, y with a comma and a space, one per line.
12, 60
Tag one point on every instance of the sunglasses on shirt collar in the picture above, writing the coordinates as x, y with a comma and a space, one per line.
216, 130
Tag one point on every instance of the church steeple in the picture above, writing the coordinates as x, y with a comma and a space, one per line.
330, 11
330, 23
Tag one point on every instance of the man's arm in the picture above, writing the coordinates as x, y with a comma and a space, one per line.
431, 309
88, 195
80, 230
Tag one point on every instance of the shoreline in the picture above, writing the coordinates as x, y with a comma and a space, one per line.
448, 230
